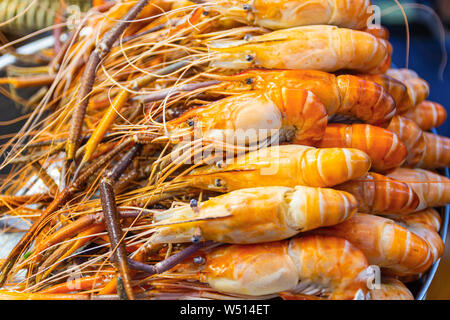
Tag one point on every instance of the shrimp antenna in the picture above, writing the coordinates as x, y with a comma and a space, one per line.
408, 40
441, 32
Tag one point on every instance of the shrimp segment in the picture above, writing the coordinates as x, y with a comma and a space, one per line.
426, 225
382, 146
427, 115
385, 243
275, 14
256, 215
285, 165
436, 153
425, 149
433, 189
320, 47
296, 114
391, 289
344, 94
418, 88
378, 194
399, 92
332, 264
411, 135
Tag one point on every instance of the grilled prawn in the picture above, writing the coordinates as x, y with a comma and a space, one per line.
296, 115
382, 145
324, 48
433, 189
285, 165
344, 94
385, 243
391, 289
427, 115
418, 88
426, 225
379, 194
425, 149
300, 266
255, 215
275, 14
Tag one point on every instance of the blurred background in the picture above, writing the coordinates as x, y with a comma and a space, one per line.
429, 24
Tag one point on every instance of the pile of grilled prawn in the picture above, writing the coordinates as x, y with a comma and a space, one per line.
222, 150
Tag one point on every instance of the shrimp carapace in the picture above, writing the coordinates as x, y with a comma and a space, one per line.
295, 115
284, 165
320, 47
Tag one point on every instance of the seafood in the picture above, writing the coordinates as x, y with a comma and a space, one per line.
426, 225
391, 289
141, 88
428, 217
298, 265
399, 91
258, 51
427, 115
418, 88
321, 47
379, 194
385, 243
409, 133
425, 150
296, 115
382, 146
433, 189
274, 14
344, 94
255, 215
437, 152
285, 165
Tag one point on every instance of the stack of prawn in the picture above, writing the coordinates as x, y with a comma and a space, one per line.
224, 150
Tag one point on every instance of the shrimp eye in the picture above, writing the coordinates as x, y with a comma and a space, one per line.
247, 37
220, 164
205, 13
190, 122
249, 81
195, 238
249, 57
246, 7
218, 182
199, 260
193, 203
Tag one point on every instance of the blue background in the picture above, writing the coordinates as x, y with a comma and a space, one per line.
425, 47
